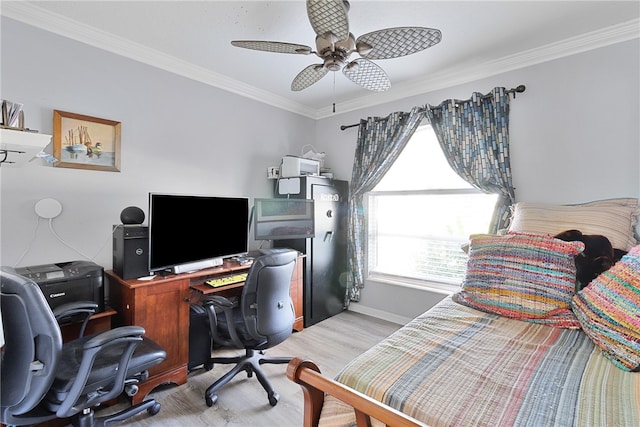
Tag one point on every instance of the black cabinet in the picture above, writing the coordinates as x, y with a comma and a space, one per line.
325, 270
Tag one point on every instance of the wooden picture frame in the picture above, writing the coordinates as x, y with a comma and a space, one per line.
85, 142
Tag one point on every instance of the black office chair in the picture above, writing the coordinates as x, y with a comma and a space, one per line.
43, 379
261, 319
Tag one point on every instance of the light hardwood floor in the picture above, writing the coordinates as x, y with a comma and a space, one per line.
243, 402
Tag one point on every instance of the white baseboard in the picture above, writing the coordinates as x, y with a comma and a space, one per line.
380, 314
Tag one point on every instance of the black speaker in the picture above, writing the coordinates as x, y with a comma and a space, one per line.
132, 215
130, 251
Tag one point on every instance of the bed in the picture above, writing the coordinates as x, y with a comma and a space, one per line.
517, 345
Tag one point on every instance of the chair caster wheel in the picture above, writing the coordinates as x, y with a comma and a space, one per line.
210, 400
208, 366
154, 409
131, 389
273, 398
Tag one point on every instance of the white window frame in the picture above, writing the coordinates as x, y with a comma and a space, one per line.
434, 284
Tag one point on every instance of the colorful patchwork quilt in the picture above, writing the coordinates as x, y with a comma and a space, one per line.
457, 366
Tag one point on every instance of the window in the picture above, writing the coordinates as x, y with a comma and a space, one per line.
420, 215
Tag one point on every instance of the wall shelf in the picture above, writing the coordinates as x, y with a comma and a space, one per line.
18, 147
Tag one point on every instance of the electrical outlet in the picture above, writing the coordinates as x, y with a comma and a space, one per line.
273, 172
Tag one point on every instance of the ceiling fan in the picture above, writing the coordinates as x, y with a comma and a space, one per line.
335, 44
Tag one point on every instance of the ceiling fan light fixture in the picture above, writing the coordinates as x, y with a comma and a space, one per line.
333, 63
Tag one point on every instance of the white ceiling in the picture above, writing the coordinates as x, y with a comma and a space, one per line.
192, 38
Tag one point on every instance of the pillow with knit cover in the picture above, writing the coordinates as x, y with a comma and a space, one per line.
524, 276
608, 310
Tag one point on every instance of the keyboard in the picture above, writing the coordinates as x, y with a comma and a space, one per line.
227, 280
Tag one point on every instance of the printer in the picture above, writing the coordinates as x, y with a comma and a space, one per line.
297, 166
68, 282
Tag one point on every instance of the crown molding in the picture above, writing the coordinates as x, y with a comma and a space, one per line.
58, 24
459, 75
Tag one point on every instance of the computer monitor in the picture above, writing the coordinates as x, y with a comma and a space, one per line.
187, 229
276, 219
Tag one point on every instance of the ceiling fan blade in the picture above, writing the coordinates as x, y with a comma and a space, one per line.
277, 47
308, 76
367, 74
398, 41
329, 16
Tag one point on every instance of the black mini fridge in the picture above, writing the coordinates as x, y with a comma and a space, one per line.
325, 267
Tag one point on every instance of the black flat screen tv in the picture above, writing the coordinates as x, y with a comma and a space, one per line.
191, 232
277, 219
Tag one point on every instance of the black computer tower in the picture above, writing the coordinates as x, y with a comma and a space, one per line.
200, 344
325, 264
131, 251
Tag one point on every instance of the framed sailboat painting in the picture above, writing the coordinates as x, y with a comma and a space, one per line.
84, 142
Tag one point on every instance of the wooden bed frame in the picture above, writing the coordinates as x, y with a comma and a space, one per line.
315, 386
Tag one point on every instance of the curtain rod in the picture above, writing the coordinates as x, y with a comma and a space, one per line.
518, 89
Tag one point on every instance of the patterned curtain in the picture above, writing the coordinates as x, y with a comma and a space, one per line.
474, 136
380, 142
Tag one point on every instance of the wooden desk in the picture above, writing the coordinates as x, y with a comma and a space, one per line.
161, 307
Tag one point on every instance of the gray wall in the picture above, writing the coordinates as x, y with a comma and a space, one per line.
574, 137
178, 136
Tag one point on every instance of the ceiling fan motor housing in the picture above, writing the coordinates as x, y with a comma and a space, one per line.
335, 55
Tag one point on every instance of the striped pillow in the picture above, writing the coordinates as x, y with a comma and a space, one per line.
609, 311
608, 218
522, 276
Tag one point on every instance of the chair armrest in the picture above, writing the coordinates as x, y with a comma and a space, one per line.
218, 301
82, 310
74, 307
106, 337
